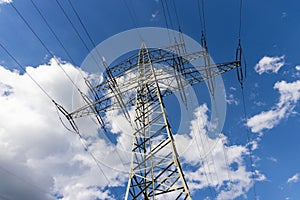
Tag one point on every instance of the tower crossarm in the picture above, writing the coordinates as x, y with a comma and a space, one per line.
158, 56
190, 75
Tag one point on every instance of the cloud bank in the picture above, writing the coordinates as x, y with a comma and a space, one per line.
39, 159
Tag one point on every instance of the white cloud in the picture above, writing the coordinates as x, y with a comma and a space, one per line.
294, 178
218, 165
269, 64
289, 95
298, 67
5, 1
39, 159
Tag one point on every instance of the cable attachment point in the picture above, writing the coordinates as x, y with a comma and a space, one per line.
210, 80
96, 98
239, 69
203, 41
69, 118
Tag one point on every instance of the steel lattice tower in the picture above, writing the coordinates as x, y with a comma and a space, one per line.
142, 81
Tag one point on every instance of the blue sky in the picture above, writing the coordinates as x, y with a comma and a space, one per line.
43, 161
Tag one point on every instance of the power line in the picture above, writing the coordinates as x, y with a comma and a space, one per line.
73, 26
227, 167
91, 40
224, 152
24, 70
204, 158
200, 5
176, 14
249, 143
82, 24
133, 17
85, 30
169, 14
52, 31
58, 106
166, 20
240, 17
42, 43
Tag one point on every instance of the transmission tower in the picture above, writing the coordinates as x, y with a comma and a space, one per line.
141, 82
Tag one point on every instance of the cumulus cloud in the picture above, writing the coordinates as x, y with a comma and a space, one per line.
5, 1
39, 159
294, 178
289, 95
269, 64
298, 67
215, 164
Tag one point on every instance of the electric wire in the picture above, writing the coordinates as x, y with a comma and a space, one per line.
93, 43
201, 13
72, 24
52, 31
73, 131
204, 158
78, 34
176, 14
169, 14
212, 161
83, 26
86, 148
249, 144
166, 20
241, 79
203, 17
72, 123
224, 149
240, 18
24, 70
200, 5
113, 84
85, 30
225, 152
133, 18
43, 44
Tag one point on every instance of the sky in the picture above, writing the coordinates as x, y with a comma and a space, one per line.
41, 159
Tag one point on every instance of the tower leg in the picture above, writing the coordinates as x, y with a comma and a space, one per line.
155, 168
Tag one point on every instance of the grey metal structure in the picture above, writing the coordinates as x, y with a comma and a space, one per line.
141, 82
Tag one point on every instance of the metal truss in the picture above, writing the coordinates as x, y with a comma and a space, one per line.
141, 82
